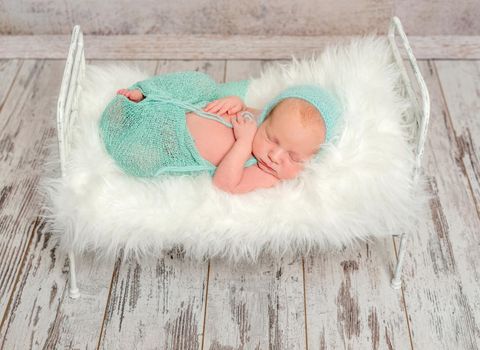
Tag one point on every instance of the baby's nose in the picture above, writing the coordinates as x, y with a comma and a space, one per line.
275, 154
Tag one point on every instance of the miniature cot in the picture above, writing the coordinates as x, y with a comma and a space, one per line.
367, 183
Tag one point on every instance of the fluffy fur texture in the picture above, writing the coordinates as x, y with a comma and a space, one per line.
360, 188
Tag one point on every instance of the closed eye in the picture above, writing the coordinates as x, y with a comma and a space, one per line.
296, 160
293, 158
268, 137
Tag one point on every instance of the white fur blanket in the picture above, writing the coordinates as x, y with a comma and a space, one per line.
362, 186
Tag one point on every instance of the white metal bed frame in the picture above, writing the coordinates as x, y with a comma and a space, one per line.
67, 111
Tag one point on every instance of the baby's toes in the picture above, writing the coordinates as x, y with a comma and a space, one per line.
137, 96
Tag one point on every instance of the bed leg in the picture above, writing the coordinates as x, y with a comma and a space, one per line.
73, 292
396, 280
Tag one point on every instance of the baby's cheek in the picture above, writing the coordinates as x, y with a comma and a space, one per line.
298, 169
291, 171
257, 146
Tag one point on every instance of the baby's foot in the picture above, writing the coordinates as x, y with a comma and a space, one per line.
132, 95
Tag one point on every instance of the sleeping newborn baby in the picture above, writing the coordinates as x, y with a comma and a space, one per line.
243, 148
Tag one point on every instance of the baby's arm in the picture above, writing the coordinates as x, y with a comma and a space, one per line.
230, 170
231, 176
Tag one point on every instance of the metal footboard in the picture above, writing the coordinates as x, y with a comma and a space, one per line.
421, 111
421, 104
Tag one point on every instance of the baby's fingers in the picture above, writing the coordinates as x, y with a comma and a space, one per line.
208, 106
240, 119
214, 109
235, 109
224, 108
212, 105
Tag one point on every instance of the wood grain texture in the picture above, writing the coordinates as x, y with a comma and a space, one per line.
461, 90
439, 17
210, 47
37, 296
156, 305
197, 17
8, 72
460, 82
349, 301
159, 304
27, 126
305, 17
21, 155
441, 292
255, 306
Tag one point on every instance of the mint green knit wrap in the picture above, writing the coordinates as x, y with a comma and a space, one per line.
150, 137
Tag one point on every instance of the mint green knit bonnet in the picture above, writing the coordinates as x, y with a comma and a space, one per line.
325, 102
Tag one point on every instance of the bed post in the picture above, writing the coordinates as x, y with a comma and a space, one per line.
422, 114
66, 113
73, 292
396, 280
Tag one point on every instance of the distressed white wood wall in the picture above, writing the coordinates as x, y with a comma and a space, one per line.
281, 17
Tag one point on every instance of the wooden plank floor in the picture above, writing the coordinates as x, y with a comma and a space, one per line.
334, 300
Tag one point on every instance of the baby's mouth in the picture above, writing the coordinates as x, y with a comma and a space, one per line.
265, 165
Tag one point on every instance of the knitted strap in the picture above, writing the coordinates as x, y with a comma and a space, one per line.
190, 107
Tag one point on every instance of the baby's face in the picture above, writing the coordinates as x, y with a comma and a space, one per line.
283, 144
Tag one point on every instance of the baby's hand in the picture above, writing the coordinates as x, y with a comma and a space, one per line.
227, 105
244, 128
132, 95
